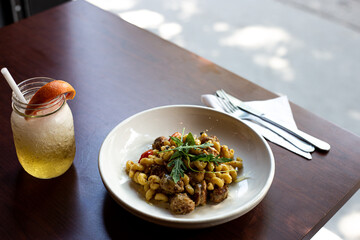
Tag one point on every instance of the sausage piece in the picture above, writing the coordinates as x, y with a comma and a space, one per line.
200, 193
211, 150
219, 194
205, 138
169, 186
158, 170
159, 142
181, 204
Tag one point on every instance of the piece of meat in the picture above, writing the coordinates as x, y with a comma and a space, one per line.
158, 170
181, 204
205, 138
211, 150
169, 186
159, 142
200, 193
219, 194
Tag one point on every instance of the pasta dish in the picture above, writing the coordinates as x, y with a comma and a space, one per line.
186, 171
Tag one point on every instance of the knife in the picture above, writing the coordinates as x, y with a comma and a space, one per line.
295, 132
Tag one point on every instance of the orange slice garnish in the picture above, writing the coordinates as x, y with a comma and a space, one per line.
49, 92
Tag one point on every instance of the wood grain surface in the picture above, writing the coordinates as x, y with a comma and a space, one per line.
118, 70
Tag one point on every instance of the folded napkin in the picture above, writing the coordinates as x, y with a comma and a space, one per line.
277, 109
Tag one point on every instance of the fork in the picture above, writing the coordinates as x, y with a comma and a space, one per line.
230, 108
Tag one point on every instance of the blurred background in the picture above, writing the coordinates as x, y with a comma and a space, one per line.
308, 50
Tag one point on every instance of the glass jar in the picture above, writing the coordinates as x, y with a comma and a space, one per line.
44, 141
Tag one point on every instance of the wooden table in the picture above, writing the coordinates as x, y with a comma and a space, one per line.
119, 70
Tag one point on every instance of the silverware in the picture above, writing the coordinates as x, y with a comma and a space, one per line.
284, 139
278, 140
295, 132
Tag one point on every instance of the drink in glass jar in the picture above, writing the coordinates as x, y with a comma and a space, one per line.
44, 137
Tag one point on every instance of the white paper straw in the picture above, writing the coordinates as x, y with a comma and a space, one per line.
13, 85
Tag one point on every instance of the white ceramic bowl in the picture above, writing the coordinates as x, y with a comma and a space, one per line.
136, 134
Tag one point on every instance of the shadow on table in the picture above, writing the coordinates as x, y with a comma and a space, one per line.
120, 224
44, 207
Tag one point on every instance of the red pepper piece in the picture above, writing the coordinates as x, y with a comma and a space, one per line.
146, 154
177, 135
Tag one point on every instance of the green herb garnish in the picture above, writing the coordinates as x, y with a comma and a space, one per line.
181, 151
178, 169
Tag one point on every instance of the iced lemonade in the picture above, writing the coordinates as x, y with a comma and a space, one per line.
45, 142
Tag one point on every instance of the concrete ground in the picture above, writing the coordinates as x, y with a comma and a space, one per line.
308, 50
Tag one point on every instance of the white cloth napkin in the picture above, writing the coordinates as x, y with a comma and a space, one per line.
277, 109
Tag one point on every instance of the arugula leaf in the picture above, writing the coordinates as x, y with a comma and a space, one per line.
175, 155
182, 134
190, 139
178, 169
177, 141
211, 158
181, 148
